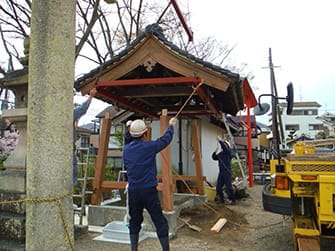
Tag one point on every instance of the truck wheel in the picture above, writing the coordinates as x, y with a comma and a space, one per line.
275, 204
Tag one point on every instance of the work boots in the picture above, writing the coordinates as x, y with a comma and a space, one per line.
164, 243
133, 242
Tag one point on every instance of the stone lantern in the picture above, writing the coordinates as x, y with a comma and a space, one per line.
13, 179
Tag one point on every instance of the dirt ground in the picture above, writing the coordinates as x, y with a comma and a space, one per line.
248, 227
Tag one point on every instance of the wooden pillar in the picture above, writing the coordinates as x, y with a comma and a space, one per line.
148, 135
197, 154
166, 167
101, 160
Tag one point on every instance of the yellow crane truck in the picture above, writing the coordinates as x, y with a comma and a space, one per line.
303, 186
302, 182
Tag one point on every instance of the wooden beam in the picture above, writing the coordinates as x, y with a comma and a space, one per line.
155, 91
124, 102
207, 100
113, 184
166, 167
219, 225
197, 154
148, 81
101, 159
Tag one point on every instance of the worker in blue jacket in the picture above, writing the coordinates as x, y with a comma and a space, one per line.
139, 157
78, 112
223, 154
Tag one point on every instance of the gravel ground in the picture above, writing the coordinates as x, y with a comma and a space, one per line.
248, 227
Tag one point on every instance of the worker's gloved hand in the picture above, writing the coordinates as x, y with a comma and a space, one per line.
219, 138
172, 121
93, 91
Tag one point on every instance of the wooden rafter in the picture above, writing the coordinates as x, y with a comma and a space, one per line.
207, 100
155, 91
148, 81
124, 102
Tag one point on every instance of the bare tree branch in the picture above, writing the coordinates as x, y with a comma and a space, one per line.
6, 48
90, 24
103, 30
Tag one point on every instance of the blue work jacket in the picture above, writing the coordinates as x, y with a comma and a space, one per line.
139, 157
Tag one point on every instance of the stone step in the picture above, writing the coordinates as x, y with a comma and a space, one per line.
13, 180
12, 227
12, 206
11, 246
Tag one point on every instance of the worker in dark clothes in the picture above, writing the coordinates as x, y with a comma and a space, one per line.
78, 112
140, 159
223, 154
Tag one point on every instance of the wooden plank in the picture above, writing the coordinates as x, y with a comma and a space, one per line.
107, 184
149, 81
166, 167
197, 154
218, 225
101, 159
308, 244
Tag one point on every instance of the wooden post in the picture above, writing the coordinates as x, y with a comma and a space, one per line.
197, 154
166, 167
101, 159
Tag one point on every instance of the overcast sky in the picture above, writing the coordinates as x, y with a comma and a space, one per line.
300, 34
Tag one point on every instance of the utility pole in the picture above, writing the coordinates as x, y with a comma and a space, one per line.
276, 116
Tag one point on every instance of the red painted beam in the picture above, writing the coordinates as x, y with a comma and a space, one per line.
192, 114
149, 81
250, 167
207, 100
182, 20
124, 102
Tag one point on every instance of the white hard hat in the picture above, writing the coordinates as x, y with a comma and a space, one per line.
137, 128
128, 123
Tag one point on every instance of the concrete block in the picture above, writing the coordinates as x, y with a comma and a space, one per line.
13, 180
17, 208
80, 230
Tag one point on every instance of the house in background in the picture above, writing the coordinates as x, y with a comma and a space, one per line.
328, 120
83, 136
302, 120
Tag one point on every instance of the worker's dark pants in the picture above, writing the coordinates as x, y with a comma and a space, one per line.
75, 169
147, 198
224, 178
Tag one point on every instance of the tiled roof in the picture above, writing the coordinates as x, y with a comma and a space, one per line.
221, 89
157, 31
